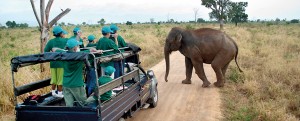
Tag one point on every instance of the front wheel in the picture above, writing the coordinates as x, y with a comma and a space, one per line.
154, 98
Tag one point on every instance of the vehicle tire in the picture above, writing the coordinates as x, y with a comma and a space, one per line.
153, 100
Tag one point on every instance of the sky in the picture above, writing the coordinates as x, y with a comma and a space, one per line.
120, 11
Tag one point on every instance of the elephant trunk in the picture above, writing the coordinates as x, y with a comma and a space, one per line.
167, 59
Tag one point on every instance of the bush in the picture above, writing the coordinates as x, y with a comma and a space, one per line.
295, 21
128, 23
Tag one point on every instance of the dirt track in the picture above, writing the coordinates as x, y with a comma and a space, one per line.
180, 102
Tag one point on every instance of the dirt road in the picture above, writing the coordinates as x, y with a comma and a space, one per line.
180, 102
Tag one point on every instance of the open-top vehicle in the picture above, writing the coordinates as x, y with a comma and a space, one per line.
136, 88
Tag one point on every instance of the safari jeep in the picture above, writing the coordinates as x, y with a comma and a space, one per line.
138, 89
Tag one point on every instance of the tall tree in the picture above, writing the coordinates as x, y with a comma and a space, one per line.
44, 23
172, 21
219, 9
101, 22
11, 24
200, 20
237, 13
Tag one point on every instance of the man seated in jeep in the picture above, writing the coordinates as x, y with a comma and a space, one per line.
108, 71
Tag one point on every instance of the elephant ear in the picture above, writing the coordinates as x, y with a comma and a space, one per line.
178, 38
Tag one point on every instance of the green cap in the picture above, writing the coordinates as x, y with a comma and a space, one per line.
109, 70
76, 30
57, 29
91, 38
114, 27
106, 29
71, 43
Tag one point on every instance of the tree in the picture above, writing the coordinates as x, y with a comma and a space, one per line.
219, 9
11, 24
236, 12
101, 22
200, 20
172, 21
151, 20
295, 21
83, 23
44, 22
128, 23
195, 13
23, 25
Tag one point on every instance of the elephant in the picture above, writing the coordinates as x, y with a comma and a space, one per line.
204, 45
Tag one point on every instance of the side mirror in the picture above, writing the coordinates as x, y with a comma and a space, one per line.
150, 74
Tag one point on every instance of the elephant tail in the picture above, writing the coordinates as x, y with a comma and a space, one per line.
235, 58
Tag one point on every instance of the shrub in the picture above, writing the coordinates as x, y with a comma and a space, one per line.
295, 21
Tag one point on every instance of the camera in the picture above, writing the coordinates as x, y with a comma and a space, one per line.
112, 34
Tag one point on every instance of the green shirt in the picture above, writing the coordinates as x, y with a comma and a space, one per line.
73, 71
57, 42
80, 40
91, 45
121, 41
107, 44
103, 80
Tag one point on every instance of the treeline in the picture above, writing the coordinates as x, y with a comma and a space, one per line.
13, 24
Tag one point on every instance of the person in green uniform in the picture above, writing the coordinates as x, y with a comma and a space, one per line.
118, 39
56, 67
109, 70
73, 83
91, 43
105, 43
77, 35
91, 74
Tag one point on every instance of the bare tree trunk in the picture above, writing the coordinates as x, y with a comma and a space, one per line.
196, 13
221, 24
44, 23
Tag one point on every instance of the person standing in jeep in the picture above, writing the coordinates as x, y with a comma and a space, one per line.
73, 83
105, 43
56, 67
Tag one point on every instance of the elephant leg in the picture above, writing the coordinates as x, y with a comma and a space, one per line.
224, 71
219, 64
201, 74
188, 71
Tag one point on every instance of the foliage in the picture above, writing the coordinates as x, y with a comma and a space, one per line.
236, 12
219, 9
128, 23
200, 20
172, 21
13, 24
295, 21
102, 22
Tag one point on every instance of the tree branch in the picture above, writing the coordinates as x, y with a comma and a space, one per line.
35, 14
42, 10
58, 17
48, 9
